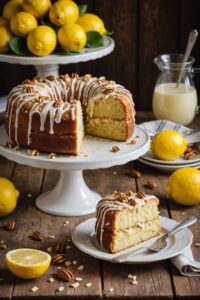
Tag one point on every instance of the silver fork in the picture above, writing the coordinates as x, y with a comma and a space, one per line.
159, 244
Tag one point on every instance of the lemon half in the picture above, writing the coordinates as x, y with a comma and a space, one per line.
28, 263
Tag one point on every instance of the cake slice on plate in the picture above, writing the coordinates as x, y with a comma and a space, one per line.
126, 219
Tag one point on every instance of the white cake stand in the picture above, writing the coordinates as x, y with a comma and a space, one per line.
71, 196
48, 65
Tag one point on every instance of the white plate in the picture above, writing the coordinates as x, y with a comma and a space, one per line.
168, 168
160, 125
3, 102
175, 245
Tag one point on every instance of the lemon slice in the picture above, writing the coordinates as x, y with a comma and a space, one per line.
28, 263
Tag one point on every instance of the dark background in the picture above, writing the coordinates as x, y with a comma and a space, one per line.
142, 29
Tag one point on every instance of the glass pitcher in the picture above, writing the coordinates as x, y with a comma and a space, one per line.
172, 101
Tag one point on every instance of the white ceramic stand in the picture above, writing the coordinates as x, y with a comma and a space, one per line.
49, 65
71, 196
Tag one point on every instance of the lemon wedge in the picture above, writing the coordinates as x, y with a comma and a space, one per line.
28, 263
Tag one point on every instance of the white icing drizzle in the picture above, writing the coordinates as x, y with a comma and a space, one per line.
53, 90
111, 204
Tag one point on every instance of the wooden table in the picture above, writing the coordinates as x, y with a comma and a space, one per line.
155, 281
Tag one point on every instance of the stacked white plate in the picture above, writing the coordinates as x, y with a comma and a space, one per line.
163, 165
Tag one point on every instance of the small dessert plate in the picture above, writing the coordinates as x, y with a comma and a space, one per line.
176, 244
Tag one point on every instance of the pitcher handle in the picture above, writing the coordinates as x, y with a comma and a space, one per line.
195, 71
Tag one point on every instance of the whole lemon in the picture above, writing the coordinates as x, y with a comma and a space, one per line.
5, 36
8, 196
11, 8
91, 22
63, 12
22, 23
72, 37
184, 186
4, 22
42, 40
168, 145
38, 8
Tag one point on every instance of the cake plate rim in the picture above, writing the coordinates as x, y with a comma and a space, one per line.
71, 196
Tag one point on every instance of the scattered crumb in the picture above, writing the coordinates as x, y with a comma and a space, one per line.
78, 279
51, 279
80, 268
89, 284
196, 244
69, 240
114, 173
32, 152
111, 290
134, 282
135, 140
75, 285
74, 262
130, 276
18, 148
49, 249
115, 149
60, 289
66, 223
29, 195
52, 156
68, 247
51, 236
34, 289
68, 263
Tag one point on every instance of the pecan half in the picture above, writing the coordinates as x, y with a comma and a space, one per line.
151, 184
36, 236
140, 195
58, 259
135, 174
11, 225
65, 274
60, 247
115, 149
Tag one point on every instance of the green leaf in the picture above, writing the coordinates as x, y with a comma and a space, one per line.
109, 32
82, 9
63, 51
94, 39
18, 45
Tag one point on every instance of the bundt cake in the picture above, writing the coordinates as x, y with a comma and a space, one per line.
126, 219
52, 114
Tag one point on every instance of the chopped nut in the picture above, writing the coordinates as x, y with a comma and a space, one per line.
60, 289
115, 149
190, 155
101, 79
58, 259
36, 236
114, 173
32, 152
65, 274
134, 282
151, 184
49, 249
68, 263
52, 155
51, 279
140, 195
68, 247
34, 289
74, 262
66, 222
78, 279
75, 285
87, 77
80, 268
89, 284
60, 247
18, 148
109, 89
51, 237
111, 290
135, 140
196, 244
3, 246
130, 276
29, 195
135, 174
11, 225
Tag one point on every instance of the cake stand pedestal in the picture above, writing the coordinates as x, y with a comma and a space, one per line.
49, 65
71, 196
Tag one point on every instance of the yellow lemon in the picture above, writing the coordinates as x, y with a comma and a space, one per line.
63, 12
184, 186
42, 40
5, 36
72, 37
22, 23
4, 22
28, 263
91, 22
11, 8
8, 196
38, 8
168, 145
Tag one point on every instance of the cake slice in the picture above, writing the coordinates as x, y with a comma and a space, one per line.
126, 219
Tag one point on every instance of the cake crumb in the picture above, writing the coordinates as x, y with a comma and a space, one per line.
49, 249
68, 247
60, 289
135, 140
66, 222
89, 284
75, 285
29, 195
74, 262
111, 290
34, 289
51, 236
68, 263
51, 279
115, 149
114, 173
134, 282
78, 279
80, 268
